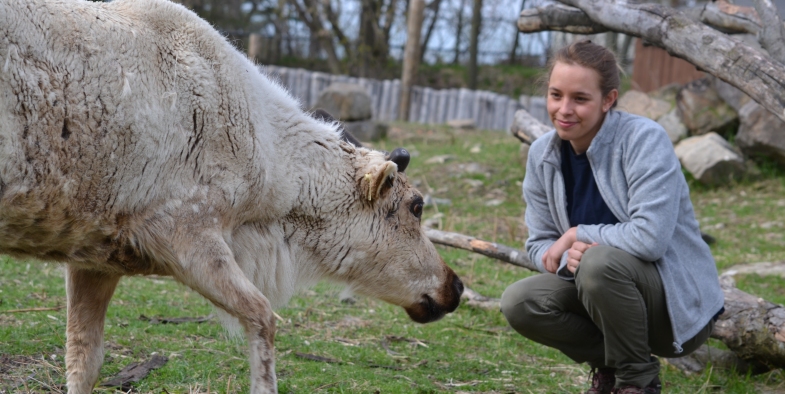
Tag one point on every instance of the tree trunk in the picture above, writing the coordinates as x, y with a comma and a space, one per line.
309, 13
435, 5
512, 59
411, 55
459, 26
752, 328
473, 44
754, 73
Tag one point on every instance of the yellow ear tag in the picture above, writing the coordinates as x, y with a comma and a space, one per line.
368, 178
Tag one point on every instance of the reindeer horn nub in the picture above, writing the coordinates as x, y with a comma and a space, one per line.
401, 157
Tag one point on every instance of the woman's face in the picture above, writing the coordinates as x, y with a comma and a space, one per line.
576, 105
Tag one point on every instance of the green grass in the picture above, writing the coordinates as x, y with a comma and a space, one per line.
374, 346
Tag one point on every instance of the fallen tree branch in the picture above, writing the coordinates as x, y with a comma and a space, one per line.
527, 128
729, 18
54, 308
720, 15
554, 16
755, 73
478, 300
490, 249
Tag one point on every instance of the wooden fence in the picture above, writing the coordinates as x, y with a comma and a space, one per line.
488, 110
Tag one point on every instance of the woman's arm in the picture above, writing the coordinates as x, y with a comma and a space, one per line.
543, 232
655, 184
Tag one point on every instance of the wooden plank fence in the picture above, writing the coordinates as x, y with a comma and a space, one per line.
489, 110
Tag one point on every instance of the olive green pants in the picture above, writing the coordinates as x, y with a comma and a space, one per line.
613, 316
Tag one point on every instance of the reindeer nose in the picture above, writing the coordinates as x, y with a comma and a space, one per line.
457, 285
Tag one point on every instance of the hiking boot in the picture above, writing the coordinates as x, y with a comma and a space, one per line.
655, 387
602, 380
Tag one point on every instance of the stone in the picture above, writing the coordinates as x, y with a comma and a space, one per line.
345, 101
666, 93
367, 130
760, 133
710, 159
673, 125
730, 94
462, 124
639, 103
701, 108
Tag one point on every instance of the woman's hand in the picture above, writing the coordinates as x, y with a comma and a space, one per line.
552, 257
575, 253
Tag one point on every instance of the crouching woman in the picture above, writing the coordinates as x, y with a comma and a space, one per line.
626, 274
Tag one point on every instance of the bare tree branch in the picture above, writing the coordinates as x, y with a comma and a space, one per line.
729, 18
310, 14
490, 249
336, 27
751, 71
557, 17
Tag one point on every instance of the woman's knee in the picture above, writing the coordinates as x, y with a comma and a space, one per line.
513, 298
593, 266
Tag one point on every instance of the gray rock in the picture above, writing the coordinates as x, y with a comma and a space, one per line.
366, 130
701, 108
673, 125
639, 103
346, 101
730, 94
463, 124
666, 93
710, 159
760, 132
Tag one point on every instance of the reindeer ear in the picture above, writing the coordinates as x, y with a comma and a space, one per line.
373, 181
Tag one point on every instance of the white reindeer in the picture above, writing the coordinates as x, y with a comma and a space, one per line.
135, 140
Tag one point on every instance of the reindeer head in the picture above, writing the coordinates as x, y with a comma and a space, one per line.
379, 248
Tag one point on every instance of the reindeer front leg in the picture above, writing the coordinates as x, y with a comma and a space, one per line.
88, 295
207, 265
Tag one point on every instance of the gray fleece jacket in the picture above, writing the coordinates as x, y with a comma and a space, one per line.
640, 179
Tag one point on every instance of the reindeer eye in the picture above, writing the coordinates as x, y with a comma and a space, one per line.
416, 207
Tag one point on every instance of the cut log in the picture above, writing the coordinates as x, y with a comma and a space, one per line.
527, 128
720, 15
753, 72
752, 328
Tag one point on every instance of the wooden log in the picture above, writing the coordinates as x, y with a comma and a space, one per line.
720, 15
751, 327
753, 72
526, 127
490, 249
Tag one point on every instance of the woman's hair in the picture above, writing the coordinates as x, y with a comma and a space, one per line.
590, 55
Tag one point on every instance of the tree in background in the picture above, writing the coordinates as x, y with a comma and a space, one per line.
474, 43
411, 57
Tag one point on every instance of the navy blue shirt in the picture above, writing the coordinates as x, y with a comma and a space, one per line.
585, 204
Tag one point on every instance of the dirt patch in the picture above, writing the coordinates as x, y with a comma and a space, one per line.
22, 374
